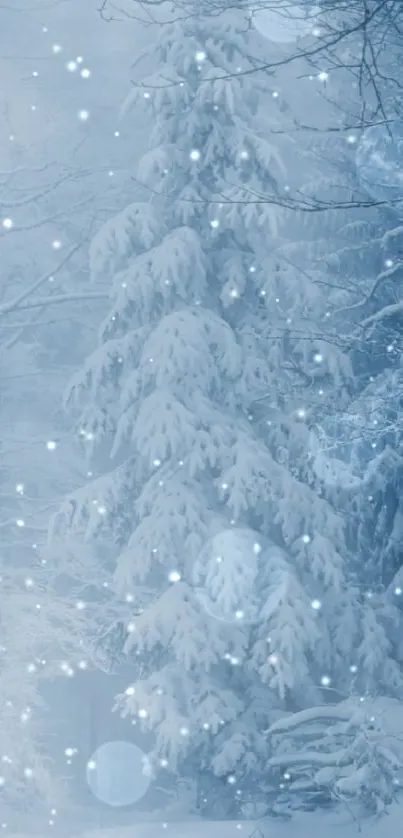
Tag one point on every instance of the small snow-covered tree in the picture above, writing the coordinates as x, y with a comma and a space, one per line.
39, 642
232, 557
40, 628
350, 753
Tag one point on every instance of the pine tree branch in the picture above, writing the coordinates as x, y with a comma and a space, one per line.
338, 758
314, 714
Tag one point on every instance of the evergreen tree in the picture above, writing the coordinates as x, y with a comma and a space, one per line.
230, 554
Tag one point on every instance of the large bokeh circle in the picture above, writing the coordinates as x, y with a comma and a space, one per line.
284, 22
118, 773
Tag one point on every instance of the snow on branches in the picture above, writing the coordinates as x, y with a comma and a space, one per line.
351, 752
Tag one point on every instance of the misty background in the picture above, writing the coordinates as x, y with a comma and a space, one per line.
58, 59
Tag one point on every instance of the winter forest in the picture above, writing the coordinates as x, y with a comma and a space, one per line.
201, 414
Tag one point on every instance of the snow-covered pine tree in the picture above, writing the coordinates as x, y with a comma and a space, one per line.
237, 565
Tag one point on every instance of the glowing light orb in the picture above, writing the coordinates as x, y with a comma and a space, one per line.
379, 162
285, 22
226, 576
119, 774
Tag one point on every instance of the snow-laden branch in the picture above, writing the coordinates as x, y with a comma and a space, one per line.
313, 714
337, 758
37, 196
50, 219
16, 303
382, 277
63, 298
387, 311
11, 173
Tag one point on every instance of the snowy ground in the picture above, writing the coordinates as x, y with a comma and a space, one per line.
315, 825
302, 826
